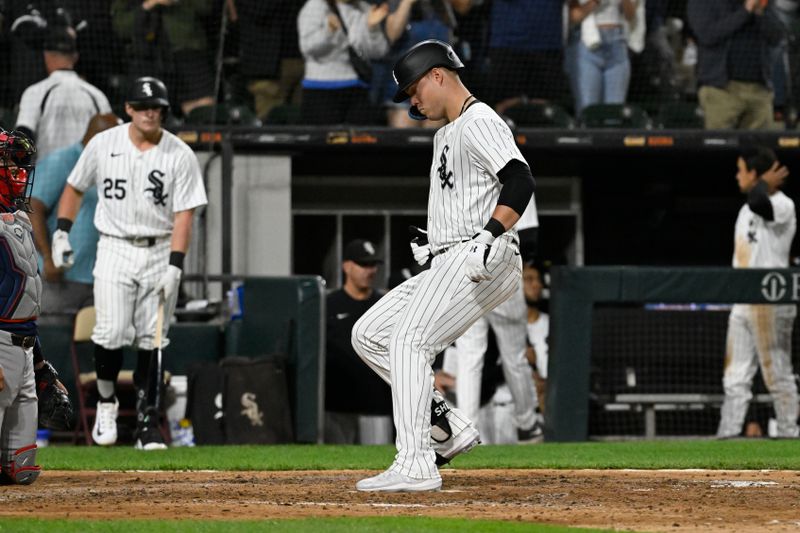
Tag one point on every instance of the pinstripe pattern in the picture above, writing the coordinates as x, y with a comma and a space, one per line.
138, 196
508, 321
130, 201
401, 334
761, 333
468, 153
126, 302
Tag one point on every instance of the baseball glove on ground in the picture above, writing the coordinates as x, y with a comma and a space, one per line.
55, 409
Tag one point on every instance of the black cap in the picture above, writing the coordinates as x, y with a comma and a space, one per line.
61, 39
361, 251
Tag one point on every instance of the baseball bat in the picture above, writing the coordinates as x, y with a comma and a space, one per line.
156, 377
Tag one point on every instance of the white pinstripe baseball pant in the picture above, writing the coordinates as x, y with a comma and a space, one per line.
126, 303
759, 335
509, 321
401, 334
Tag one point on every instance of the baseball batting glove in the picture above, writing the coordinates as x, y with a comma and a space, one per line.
420, 246
169, 281
63, 257
55, 409
477, 254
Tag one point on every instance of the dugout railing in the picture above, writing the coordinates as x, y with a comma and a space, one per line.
577, 292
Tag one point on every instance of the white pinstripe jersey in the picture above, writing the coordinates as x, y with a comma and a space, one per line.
759, 243
58, 109
467, 154
138, 192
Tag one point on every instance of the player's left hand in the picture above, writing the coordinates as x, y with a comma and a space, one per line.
169, 281
477, 254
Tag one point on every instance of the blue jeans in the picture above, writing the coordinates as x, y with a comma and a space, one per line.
601, 75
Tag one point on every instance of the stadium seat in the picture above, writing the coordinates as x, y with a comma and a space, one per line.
82, 353
222, 114
615, 116
283, 114
680, 115
540, 115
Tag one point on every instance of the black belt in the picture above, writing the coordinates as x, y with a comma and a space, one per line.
23, 341
143, 242
440, 251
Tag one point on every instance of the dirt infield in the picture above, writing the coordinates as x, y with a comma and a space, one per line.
639, 500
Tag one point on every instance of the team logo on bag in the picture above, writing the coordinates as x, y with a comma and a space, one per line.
251, 410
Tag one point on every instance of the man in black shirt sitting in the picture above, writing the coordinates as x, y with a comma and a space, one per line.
354, 395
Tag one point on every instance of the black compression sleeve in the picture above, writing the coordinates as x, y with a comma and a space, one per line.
518, 185
27, 131
758, 200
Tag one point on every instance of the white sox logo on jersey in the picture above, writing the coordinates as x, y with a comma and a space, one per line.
157, 190
445, 177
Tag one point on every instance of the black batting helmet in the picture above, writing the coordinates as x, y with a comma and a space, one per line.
420, 59
148, 91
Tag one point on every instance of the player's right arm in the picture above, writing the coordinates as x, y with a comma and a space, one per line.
80, 179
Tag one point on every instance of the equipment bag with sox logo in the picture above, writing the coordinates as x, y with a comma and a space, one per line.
254, 402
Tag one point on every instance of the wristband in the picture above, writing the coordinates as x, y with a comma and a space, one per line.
176, 259
495, 227
64, 224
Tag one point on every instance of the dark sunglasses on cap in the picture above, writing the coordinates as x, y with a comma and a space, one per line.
367, 264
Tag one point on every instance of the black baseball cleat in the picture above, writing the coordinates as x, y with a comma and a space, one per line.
149, 438
533, 435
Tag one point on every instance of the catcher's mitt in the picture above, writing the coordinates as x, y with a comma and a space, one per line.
55, 409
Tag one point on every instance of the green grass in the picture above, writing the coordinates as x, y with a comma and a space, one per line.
313, 525
730, 454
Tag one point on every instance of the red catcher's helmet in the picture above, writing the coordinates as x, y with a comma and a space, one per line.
17, 152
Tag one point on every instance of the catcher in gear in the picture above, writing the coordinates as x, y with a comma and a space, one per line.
19, 306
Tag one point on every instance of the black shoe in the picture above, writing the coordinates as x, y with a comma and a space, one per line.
531, 436
149, 438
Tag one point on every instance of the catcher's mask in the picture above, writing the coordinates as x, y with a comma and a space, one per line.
17, 152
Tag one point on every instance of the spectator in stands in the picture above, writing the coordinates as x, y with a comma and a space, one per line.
597, 61
65, 292
785, 58
761, 335
268, 50
167, 39
54, 112
332, 90
408, 23
526, 50
538, 328
735, 40
355, 397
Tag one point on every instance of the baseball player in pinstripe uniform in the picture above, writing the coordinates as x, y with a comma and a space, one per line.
509, 321
19, 305
480, 184
149, 184
763, 237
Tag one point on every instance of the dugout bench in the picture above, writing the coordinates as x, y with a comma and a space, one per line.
650, 404
577, 290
